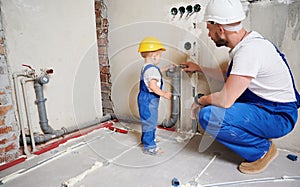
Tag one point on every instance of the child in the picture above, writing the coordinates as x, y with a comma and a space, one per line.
150, 91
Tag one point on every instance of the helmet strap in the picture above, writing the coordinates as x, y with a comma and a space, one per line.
237, 27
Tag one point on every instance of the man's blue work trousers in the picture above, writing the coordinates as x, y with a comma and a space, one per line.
246, 127
248, 124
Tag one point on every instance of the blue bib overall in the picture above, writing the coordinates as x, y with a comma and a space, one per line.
148, 109
247, 125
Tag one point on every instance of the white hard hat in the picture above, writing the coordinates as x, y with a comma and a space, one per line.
224, 11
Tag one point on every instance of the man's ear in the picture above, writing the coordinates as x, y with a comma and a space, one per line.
221, 29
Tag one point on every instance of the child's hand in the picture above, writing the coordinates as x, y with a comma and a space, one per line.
168, 95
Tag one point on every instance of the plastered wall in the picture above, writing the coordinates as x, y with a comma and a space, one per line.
60, 35
129, 25
276, 20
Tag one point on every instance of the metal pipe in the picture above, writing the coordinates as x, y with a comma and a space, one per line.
175, 74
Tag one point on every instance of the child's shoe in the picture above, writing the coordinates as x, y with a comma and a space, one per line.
153, 151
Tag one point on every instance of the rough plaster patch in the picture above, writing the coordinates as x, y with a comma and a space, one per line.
28, 4
294, 19
285, 1
266, 2
270, 20
74, 180
293, 14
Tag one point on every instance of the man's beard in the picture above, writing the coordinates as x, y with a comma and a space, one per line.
220, 42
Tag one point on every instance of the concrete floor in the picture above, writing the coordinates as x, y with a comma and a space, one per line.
108, 159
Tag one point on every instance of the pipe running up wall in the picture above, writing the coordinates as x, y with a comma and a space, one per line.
26, 103
175, 74
18, 103
40, 102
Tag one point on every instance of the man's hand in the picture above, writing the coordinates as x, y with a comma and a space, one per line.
195, 109
197, 97
190, 67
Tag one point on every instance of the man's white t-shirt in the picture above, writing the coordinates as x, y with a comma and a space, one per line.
258, 58
151, 73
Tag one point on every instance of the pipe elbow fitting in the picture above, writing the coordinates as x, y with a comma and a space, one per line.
171, 122
43, 79
65, 130
59, 133
43, 138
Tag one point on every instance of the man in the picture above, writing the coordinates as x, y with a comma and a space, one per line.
258, 101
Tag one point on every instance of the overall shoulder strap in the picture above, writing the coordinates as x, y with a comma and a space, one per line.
286, 63
229, 68
296, 92
144, 69
151, 66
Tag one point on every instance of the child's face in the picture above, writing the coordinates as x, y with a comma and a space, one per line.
156, 56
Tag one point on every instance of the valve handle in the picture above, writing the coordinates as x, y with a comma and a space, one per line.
174, 11
181, 10
28, 66
49, 71
189, 9
197, 8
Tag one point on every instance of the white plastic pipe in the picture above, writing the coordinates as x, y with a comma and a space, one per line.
18, 96
27, 110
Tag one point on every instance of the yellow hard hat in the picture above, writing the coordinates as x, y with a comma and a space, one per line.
150, 43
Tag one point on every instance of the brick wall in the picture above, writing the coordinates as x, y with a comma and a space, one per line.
9, 132
102, 34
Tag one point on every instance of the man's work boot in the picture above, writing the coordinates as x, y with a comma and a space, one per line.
260, 164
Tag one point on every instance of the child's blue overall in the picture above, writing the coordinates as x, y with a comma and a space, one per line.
247, 125
148, 108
